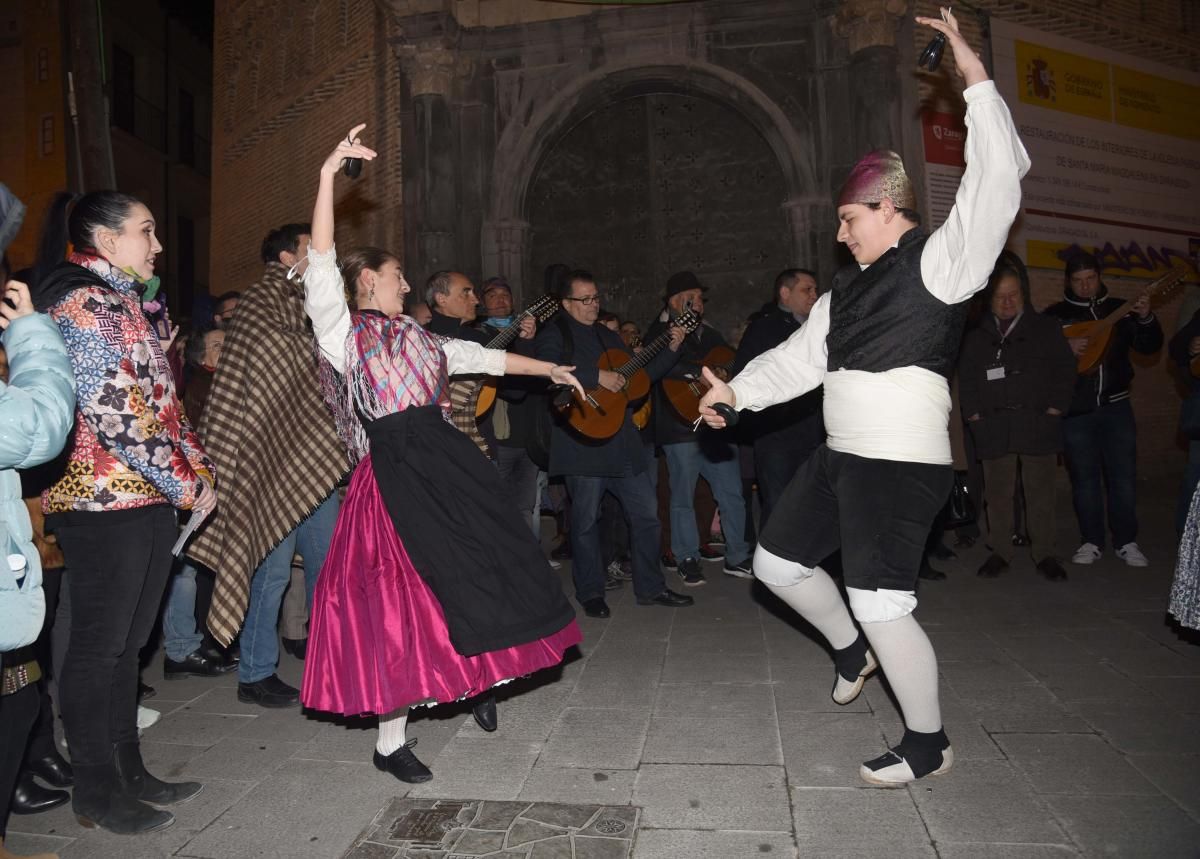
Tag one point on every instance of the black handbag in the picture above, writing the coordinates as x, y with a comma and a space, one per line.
960, 507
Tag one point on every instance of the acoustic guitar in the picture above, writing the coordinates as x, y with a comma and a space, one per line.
1099, 331
684, 394
602, 412
541, 310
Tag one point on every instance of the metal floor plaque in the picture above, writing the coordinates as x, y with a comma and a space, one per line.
468, 828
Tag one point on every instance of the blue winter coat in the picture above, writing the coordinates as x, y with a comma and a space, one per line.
37, 407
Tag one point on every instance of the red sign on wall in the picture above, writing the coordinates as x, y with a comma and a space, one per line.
945, 137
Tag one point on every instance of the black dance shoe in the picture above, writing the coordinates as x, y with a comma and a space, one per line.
403, 764
297, 647
269, 692
53, 769
484, 712
29, 797
992, 567
1052, 569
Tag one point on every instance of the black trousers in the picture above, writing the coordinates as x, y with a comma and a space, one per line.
117, 569
17, 714
774, 467
41, 738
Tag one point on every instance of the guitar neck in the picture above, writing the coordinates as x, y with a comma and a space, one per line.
1163, 284
509, 334
641, 359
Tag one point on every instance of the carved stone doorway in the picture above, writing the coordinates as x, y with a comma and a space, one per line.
649, 185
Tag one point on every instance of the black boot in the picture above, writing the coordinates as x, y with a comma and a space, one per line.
98, 802
484, 711
133, 780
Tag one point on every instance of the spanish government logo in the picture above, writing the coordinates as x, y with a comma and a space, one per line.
1039, 80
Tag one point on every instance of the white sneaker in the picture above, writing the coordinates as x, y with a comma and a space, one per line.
1132, 555
1089, 553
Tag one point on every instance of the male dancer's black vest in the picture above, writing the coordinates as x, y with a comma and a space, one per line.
884, 317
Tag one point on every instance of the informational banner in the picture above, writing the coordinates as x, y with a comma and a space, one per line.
1115, 146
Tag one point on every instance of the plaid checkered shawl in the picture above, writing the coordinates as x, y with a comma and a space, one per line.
274, 438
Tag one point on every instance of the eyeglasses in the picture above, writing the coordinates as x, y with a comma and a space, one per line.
586, 299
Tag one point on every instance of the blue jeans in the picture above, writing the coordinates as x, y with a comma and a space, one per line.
181, 638
717, 463
1101, 451
260, 638
637, 497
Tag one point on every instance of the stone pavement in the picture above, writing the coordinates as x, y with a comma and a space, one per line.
1073, 708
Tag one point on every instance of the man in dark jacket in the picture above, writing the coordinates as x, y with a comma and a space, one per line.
620, 465
1016, 375
786, 434
1099, 433
692, 454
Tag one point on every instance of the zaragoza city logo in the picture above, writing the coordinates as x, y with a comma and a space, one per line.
1039, 80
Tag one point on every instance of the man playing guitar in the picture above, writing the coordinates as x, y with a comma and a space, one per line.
620, 464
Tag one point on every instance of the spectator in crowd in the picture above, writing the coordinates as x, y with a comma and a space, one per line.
37, 403
784, 435
1099, 434
455, 307
420, 312
267, 427
134, 457
1016, 377
189, 652
224, 307
631, 336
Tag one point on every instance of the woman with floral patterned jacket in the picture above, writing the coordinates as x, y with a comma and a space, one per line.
135, 460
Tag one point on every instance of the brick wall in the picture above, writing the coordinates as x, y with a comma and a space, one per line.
1167, 31
288, 80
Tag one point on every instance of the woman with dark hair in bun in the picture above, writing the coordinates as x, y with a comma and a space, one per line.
434, 590
134, 462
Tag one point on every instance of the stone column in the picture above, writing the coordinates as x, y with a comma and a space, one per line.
506, 252
869, 26
430, 179
812, 229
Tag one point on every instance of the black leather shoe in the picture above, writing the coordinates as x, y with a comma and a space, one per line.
403, 764
484, 712
296, 647
53, 770
29, 797
596, 607
98, 802
269, 692
1052, 569
145, 692
134, 781
218, 654
667, 598
195, 664
992, 567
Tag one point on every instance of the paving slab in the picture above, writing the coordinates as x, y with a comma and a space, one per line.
676, 796
700, 844
1140, 728
471, 768
1073, 764
1128, 826
856, 820
713, 740
1177, 776
826, 749
549, 783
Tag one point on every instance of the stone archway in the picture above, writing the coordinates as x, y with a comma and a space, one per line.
535, 129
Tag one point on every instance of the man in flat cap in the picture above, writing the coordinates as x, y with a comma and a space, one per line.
883, 341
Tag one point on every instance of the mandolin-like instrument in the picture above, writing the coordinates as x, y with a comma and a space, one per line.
684, 394
1099, 331
541, 310
602, 412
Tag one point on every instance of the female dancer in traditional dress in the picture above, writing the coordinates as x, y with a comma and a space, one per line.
433, 590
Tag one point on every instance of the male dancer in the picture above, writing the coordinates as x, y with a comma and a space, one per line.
883, 342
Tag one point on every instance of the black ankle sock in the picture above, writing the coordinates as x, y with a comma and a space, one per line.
850, 661
923, 751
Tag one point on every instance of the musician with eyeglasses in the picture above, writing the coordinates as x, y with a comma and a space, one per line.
1099, 433
619, 464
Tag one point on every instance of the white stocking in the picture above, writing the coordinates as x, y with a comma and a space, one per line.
815, 596
907, 658
391, 731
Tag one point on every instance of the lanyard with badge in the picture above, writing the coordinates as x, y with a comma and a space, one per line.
995, 370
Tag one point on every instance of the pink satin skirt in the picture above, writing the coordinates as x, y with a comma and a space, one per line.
377, 638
